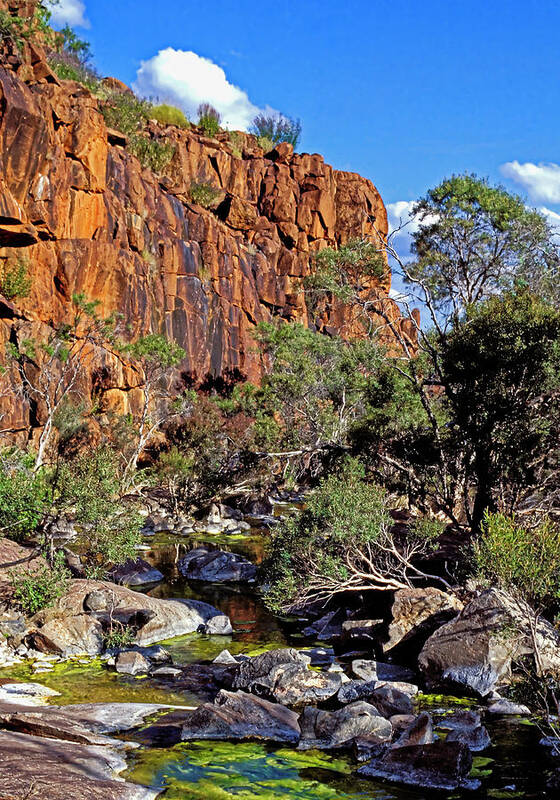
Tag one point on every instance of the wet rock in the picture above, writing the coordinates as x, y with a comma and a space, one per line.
325, 730
62, 770
420, 732
216, 566
26, 694
166, 672
254, 669
361, 630
507, 708
472, 651
294, 684
328, 626
135, 572
465, 726
390, 701
439, 765
377, 670
238, 715
131, 663
417, 613
355, 690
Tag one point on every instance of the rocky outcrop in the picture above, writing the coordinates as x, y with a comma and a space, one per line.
84, 215
216, 566
73, 626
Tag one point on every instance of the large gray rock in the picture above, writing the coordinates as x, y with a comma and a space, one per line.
60, 770
252, 670
439, 765
132, 663
238, 715
216, 566
71, 631
417, 613
475, 651
135, 572
294, 684
380, 671
326, 730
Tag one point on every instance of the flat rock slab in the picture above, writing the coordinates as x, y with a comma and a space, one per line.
380, 671
48, 768
238, 715
440, 765
26, 694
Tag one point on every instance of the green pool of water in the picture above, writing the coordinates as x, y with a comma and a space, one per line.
249, 771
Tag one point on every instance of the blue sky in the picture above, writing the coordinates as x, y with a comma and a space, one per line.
400, 91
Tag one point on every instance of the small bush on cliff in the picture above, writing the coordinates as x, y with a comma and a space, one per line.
169, 115
266, 143
277, 128
209, 119
126, 113
236, 141
15, 281
154, 154
68, 68
204, 194
40, 588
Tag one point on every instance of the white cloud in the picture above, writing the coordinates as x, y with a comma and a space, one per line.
541, 181
187, 79
400, 216
553, 218
68, 12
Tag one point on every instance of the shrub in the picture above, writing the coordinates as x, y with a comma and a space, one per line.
204, 194
23, 496
39, 589
236, 141
118, 636
126, 113
209, 119
344, 540
266, 143
68, 67
169, 115
15, 281
277, 128
154, 154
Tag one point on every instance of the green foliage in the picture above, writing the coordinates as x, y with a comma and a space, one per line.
524, 562
342, 540
169, 115
155, 350
237, 142
23, 496
89, 487
265, 143
347, 273
126, 113
277, 128
69, 42
204, 194
476, 240
40, 588
68, 68
15, 281
501, 372
154, 154
209, 119
118, 637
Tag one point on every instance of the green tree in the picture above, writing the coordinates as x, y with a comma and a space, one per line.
344, 541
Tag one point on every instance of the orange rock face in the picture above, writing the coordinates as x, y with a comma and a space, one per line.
86, 217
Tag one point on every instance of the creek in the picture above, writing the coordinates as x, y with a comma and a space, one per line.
513, 767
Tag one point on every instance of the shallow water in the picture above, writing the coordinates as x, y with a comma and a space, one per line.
514, 767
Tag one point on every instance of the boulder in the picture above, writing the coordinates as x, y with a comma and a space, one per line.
475, 651
507, 708
132, 663
326, 730
439, 765
216, 566
419, 732
390, 701
238, 715
379, 671
253, 670
135, 572
354, 690
465, 726
294, 684
70, 636
328, 626
417, 613
361, 630
62, 770
153, 618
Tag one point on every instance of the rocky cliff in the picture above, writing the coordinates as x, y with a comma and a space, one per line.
84, 216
